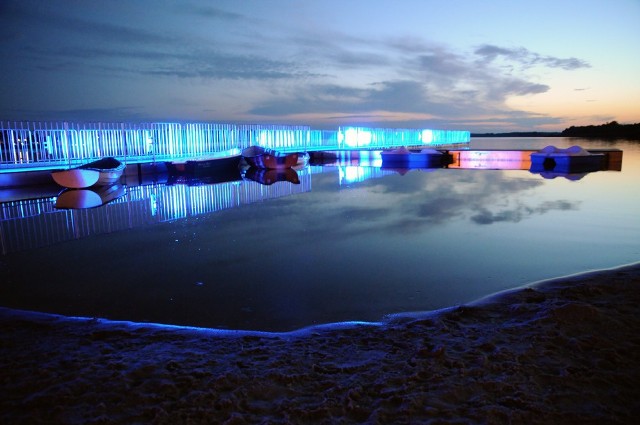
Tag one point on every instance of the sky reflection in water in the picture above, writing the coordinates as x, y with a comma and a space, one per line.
413, 242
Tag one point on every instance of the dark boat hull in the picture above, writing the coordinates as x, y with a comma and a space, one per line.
570, 160
203, 166
420, 158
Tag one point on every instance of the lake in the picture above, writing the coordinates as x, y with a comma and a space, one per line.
348, 243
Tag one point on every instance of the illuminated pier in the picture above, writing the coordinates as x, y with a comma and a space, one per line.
28, 146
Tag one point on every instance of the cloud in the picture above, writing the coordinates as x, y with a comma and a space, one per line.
208, 11
116, 114
431, 81
489, 53
282, 73
421, 200
79, 43
517, 87
520, 212
216, 65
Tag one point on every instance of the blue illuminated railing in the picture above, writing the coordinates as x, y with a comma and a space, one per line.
32, 144
29, 145
380, 138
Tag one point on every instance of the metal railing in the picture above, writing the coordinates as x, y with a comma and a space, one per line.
44, 144
47, 145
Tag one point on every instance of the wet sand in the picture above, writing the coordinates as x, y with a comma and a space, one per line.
565, 351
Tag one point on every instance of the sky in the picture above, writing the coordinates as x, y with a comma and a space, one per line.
481, 66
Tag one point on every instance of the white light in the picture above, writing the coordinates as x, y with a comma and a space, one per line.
427, 136
357, 137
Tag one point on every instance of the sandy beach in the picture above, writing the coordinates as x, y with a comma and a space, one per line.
565, 351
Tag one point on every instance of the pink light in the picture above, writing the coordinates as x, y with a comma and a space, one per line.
492, 160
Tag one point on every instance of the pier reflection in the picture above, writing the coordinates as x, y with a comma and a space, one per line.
89, 198
35, 223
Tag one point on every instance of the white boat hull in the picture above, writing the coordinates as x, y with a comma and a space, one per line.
104, 172
88, 198
76, 178
78, 199
107, 178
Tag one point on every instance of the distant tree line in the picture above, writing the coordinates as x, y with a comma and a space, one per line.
610, 130
519, 134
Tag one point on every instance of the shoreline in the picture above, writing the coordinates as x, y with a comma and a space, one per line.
563, 350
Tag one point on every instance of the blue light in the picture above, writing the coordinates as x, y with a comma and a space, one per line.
34, 145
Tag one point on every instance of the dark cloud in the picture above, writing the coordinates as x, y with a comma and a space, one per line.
444, 64
440, 208
503, 88
419, 201
345, 58
115, 49
437, 82
521, 212
399, 96
38, 22
208, 11
116, 114
404, 96
89, 44
426, 199
489, 53
367, 214
215, 65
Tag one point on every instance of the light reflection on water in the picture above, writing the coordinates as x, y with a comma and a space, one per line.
352, 251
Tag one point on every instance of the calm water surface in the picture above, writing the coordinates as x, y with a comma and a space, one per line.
343, 249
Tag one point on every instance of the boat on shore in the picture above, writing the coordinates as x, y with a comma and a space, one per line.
103, 172
205, 165
259, 157
569, 160
409, 158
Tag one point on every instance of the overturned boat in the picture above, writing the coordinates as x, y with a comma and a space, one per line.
103, 172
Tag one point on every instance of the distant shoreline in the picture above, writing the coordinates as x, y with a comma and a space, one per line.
519, 134
608, 131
